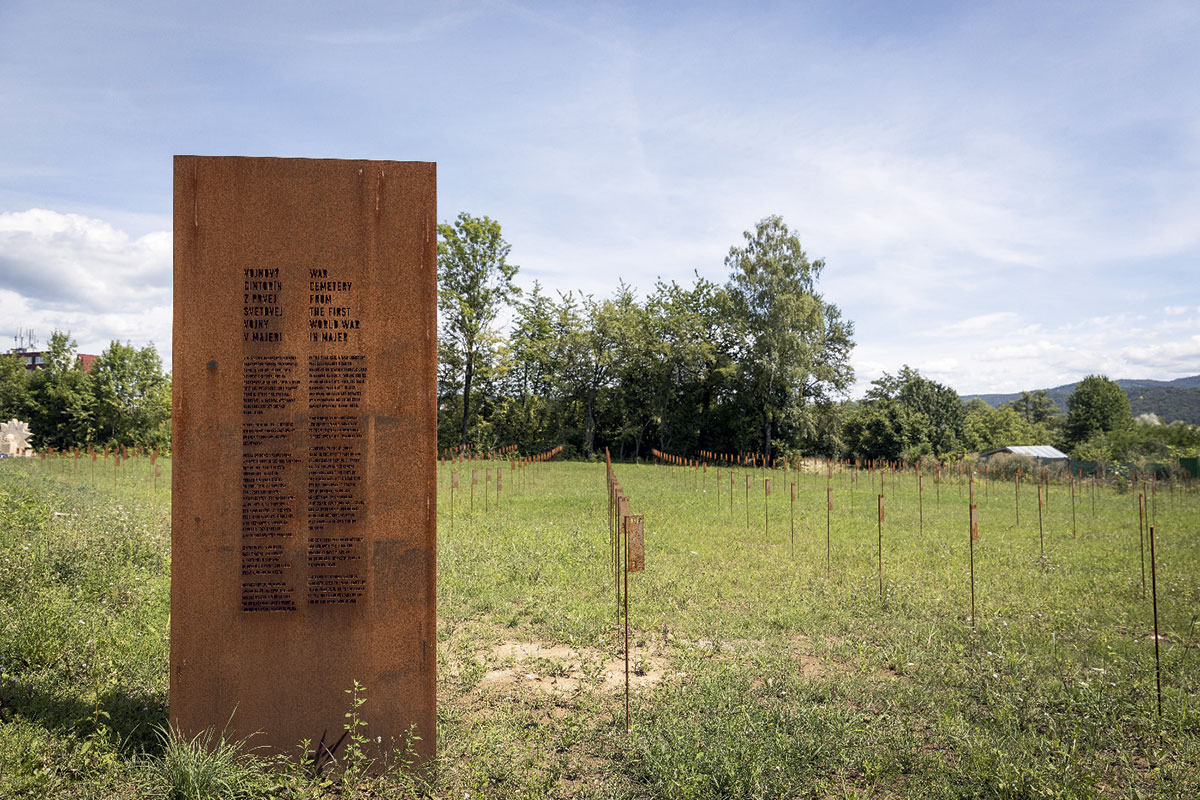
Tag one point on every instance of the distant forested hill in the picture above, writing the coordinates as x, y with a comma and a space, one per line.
1170, 400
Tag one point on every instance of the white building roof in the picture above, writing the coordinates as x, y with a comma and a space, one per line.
1034, 451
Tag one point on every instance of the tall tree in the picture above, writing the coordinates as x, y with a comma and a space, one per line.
682, 340
877, 428
132, 395
637, 361
14, 388
936, 410
1097, 405
583, 353
1034, 407
796, 346
475, 281
906, 416
532, 343
60, 401
531, 374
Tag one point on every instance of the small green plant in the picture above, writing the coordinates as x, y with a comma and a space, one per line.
550, 667
356, 758
407, 775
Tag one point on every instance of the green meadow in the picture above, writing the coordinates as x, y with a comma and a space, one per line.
762, 664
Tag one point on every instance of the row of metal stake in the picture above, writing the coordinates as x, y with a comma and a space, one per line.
627, 540
120, 456
973, 528
516, 469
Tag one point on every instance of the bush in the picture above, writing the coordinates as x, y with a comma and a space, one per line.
1006, 465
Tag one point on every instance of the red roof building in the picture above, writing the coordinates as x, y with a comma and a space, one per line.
36, 359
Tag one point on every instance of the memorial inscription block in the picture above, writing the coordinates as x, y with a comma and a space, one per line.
303, 514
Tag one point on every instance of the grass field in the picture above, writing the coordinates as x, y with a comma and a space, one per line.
758, 670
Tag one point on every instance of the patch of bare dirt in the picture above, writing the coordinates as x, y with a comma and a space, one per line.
811, 666
564, 671
888, 674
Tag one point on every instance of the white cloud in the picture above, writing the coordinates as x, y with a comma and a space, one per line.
1015, 355
78, 274
1181, 355
994, 323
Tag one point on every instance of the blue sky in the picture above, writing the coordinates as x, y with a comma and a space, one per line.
1006, 195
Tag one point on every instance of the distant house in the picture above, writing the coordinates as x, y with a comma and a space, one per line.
36, 359
1042, 451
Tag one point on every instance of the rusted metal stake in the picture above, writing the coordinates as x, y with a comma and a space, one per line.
1153, 496
766, 509
1154, 594
972, 536
621, 508
793, 518
880, 548
1142, 536
828, 513
612, 540
626, 572
1074, 532
1017, 496
1041, 538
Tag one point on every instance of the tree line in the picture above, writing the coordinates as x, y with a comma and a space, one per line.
907, 417
757, 364
760, 363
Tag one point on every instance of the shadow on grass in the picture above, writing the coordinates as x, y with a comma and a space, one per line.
128, 719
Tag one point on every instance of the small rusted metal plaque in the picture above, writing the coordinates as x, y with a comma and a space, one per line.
636, 537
